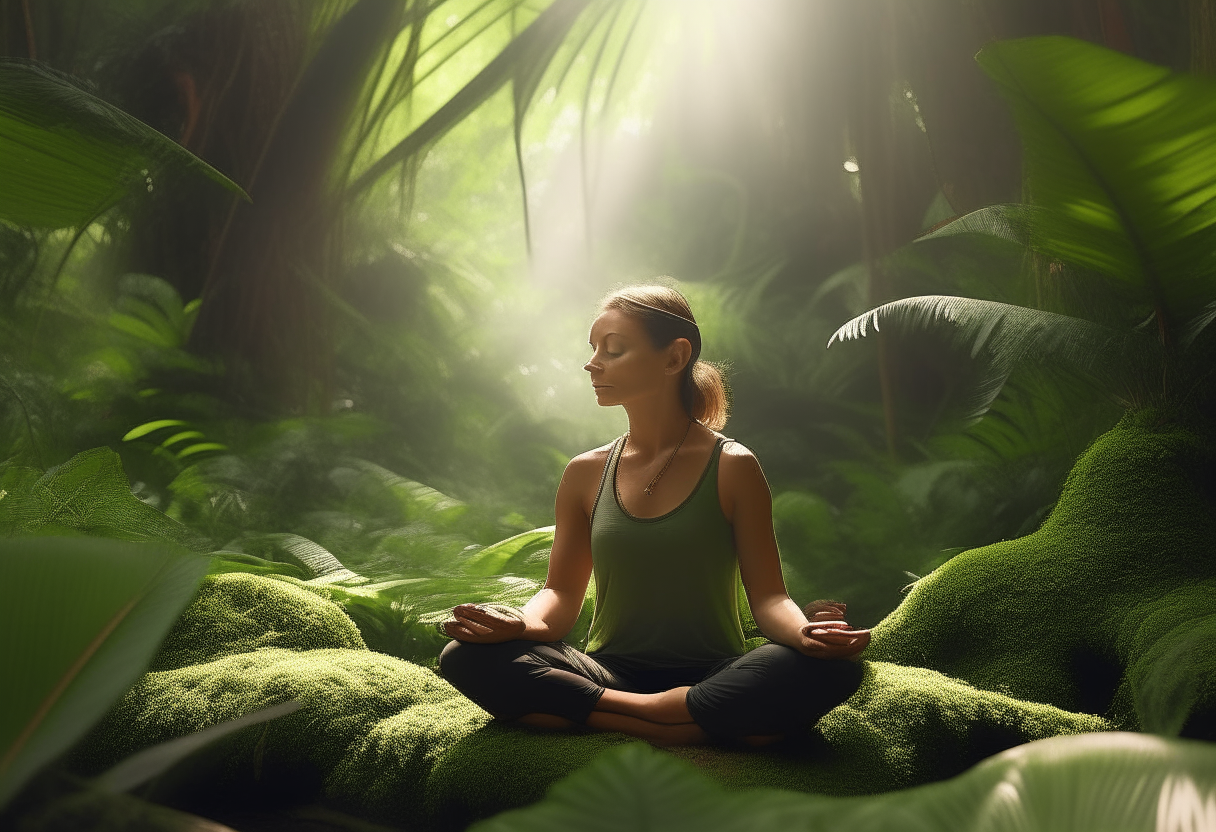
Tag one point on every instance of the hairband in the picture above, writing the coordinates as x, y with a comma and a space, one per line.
662, 312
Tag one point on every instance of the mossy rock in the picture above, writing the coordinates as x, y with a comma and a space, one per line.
388, 738
1108, 608
1105, 616
237, 612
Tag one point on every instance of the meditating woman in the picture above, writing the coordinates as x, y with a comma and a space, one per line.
668, 517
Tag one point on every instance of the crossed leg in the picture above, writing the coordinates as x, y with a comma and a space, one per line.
659, 718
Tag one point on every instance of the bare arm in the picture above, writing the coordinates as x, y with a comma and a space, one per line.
748, 504
552, 611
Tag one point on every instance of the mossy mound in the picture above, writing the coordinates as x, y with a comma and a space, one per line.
238, 612
388, 738
909, 725
1108, 608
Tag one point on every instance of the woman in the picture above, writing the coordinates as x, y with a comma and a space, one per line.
668, 517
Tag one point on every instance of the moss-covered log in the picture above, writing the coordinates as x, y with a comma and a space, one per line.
1109, 608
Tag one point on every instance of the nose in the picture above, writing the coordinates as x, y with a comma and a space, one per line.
590, 366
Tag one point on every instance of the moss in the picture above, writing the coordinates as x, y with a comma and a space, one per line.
390, 739
1079, 613
908, 725
238, 612
1108, 609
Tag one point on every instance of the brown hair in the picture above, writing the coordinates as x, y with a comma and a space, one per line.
666, 316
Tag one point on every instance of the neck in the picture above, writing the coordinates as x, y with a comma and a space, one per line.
656, 426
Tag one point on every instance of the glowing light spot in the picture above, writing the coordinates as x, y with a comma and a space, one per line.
451, 20
850, 164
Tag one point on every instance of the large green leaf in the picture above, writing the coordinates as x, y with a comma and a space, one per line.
508, 555
1112, 782
80, 618
1002, 334
88, 493
153, 761
1120, 158
66, 155
533, 47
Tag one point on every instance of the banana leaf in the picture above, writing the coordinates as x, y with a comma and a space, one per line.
1120, 165
80, 619
1004, 336
1085, 783
66, 155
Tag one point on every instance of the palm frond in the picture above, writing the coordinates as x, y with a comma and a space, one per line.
1002, 335
1122, 154
1195, 326
535, 44
1011, 221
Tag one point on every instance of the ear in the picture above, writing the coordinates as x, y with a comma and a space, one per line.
679, 352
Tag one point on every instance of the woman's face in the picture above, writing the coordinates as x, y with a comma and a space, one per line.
624, 365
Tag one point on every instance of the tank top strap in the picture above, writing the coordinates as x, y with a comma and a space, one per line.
609, 474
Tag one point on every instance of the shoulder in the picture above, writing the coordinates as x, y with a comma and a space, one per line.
587, 467
581, 480
738, 460
593, 459
741, 482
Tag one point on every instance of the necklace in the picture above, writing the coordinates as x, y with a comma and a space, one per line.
649, 489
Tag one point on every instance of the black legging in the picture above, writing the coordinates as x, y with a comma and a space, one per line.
770, 690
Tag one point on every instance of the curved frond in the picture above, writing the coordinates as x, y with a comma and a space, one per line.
1198, 324
1122, 154
1010, 221
1002, 335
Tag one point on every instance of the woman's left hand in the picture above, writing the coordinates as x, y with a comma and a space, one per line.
832, 640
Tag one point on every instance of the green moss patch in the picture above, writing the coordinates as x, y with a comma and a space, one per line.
389, 738
239, 612
1085, 612
1104, 617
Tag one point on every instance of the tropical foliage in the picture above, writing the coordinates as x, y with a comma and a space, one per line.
1120, 170
343, 353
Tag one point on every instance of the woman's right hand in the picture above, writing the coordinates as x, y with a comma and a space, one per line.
483, 625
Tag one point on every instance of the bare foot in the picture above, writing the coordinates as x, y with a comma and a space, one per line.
653, 732
667, 707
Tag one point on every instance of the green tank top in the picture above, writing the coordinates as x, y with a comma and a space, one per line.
665, 587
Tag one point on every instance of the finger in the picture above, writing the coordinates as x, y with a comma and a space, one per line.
834, 624
493, 620
457, 632
474, 626
472, 613
834, 637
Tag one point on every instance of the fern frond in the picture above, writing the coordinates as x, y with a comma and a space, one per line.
1002, 335
1011, 221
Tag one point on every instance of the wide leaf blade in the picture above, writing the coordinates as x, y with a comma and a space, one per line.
1002, 334
1084, 783
1121, 154
66, 155
80, 619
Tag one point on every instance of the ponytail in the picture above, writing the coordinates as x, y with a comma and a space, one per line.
666, 316
705, 394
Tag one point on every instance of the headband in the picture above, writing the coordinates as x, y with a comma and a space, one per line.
693, 324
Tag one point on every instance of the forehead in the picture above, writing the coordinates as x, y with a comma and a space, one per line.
617, 322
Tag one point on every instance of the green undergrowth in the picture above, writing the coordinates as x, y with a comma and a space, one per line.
1103, 618
1109, 608
389, 738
